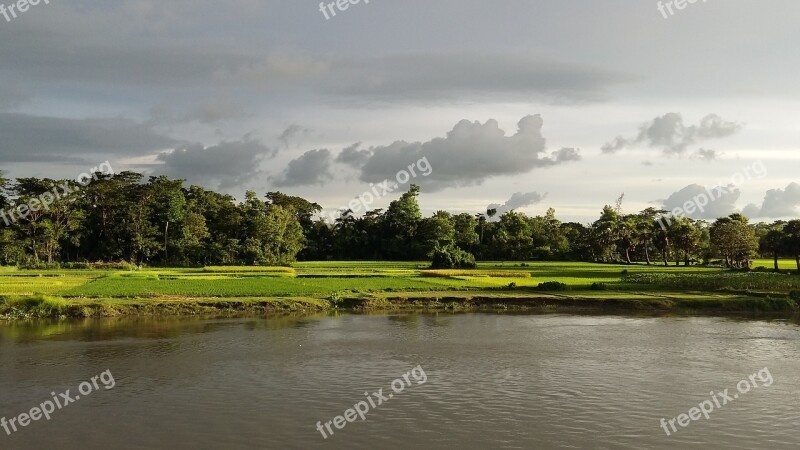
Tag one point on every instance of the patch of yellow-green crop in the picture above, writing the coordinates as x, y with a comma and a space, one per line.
249, 269
474, 273
32, 284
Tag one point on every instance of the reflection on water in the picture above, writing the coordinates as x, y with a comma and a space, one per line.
495, 381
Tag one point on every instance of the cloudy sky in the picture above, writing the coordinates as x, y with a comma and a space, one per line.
524, 104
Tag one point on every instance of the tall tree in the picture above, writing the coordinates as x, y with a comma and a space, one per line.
402, 221
169, 205
791, 245
773, 243
734, 239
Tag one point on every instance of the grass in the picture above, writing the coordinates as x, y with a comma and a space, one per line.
783, 264
475, 273
89, 293
731, 281
242, 269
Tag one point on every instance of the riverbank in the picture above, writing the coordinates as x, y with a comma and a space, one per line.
37, 307
391, 286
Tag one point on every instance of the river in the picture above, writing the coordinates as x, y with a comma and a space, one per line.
480, 381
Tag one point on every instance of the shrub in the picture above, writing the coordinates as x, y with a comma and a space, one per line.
335, 298
122, 265
598, 286
552, 286
794, 295
40, 266
451, 257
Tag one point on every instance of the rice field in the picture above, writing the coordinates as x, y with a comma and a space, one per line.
346, 279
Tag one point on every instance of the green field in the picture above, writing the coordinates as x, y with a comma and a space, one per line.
783, 264
335, 282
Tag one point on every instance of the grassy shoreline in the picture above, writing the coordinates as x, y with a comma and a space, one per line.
404, 286
41, 307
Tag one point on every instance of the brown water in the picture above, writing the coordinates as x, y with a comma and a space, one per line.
493, 381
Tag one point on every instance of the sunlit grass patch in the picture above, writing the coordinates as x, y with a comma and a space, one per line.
783, 264
474, 273
33, 306
30, 285
248, 269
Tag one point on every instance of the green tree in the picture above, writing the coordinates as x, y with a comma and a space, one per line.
437, 231
169, 205
734, 239
402, 221
606, 233
513, 237
466, 236
685, 235
773, 243
791, 243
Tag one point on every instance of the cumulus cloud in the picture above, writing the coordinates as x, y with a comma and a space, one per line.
28, 138
777, 203
670, 134
470, 153
226, 165
566, 155
518, 200
353, 157
708, 203
707, 155
313, 167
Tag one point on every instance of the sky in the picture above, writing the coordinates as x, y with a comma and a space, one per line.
513, 104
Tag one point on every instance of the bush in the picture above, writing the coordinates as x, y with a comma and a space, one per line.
451, 257
123, 265
552, 286
794, 295
40, 266
335, 298
76, 266
598, 286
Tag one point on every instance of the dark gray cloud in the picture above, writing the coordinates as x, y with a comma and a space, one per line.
699, 202
226, 165
777, 203
292, 133
27, 138
566, 155
518, 200
670, 134
312, 168
354, 157
470, 153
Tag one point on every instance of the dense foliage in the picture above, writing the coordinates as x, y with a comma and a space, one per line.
159, 221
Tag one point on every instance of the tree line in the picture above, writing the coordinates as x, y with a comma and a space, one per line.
158, 221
